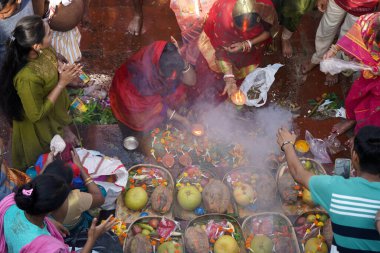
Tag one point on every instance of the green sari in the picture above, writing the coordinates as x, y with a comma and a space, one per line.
290, 12
42, 119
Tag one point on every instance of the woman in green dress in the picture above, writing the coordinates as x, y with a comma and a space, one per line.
33, 88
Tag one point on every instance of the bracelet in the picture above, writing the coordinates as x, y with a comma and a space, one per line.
87, 179
89, 182
334, 49
286, 143
171, 116
186, 69
249, 44
228, 76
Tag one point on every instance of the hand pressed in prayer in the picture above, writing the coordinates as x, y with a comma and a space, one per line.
68, 72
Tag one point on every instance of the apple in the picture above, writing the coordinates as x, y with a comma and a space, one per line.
136, 229
262, 244
189, 197
226, 244
136, 198
323, 217
315, 245
154, 223
306, 197
169, 247
307, 165
244, 194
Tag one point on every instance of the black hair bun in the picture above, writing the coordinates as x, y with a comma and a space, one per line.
24, 197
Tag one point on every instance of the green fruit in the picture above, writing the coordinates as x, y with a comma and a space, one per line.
136, 198
169, 247
307, 165
145, 226
312, 246
145, 232
323, 217
189, 198
226, 244
262, 244
310, 218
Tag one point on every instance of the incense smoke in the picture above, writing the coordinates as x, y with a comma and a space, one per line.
255, 130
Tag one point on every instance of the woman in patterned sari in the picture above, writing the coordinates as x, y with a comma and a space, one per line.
232, 44
362, 43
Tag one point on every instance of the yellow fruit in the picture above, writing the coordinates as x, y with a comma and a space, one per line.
226, 244
306, 197
136, 198
302, 146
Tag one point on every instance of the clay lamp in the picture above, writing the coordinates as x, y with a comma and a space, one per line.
197, 130
238, 98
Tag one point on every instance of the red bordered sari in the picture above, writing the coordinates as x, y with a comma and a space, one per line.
219, 31
139, 96
363, 100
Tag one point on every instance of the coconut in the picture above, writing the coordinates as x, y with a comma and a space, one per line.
196, 240
162, 199
138, 244
216, 197
285, 188
266, 187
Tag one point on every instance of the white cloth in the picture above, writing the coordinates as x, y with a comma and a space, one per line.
57, 144
328, 29
98, 165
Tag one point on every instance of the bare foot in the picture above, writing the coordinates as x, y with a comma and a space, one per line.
331, 80
342, 127
287, 50
135, 25
306, 68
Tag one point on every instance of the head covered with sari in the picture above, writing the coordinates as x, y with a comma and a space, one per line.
362, 41
146, 85
232, 21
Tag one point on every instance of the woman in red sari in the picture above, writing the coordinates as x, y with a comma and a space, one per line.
362, 104
149, 87
232, 43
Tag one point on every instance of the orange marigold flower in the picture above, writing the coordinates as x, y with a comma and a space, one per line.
139, 171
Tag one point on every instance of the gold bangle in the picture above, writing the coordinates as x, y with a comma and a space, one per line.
89, 182
87, 179
187, 68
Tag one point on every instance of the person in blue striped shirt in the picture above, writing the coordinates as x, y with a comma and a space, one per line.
352, 203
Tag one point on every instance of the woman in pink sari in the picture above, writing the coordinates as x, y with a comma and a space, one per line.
24, 226
362, 42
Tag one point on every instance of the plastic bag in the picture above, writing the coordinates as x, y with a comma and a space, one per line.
334, 145
334, 66
260, 80
318, 148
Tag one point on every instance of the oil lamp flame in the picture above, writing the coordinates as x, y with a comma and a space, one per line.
197, 130
238, 98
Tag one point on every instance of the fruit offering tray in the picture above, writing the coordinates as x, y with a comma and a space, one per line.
252, 190
172, 146
154, 234
198, 192
295, 198
214, 233
314, 232
269, 232
150, 191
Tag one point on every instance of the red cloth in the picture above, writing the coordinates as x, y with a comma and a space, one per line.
222, 32
357, 7
363, 103
139, 96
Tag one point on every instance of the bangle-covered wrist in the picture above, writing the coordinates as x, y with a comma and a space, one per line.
286, 143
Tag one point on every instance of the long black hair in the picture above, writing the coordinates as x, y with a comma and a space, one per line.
44, 194
60, 169
28, 32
